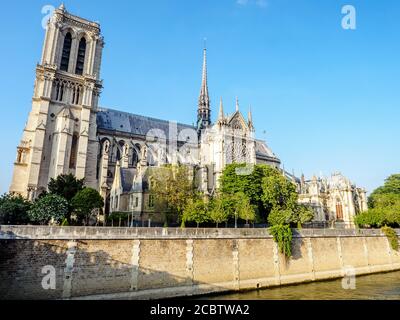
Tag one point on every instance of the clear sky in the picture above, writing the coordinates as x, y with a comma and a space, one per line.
324, 98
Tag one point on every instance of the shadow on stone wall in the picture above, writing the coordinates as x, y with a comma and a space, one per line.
95, 272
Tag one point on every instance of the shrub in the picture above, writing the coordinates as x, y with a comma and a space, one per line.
14, 209
279, 216
50, 207
283, 236
378, 217
391, 236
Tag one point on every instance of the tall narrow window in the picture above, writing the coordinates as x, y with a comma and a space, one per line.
66, 52
74, 152
339, 210
80, 61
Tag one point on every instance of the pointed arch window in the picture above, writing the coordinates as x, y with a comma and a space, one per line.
80, 61
66, 52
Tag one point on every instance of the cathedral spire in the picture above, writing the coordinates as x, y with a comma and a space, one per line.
204, 112
250, 118
237, 104
221, 115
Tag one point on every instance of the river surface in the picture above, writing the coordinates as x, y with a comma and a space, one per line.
383, 286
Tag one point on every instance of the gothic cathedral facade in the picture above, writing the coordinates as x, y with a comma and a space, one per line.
67, 132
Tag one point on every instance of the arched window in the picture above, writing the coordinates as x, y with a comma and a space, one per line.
80, 61
74, 152
66, 52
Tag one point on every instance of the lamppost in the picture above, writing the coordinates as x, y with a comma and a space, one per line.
235, 218
131, 225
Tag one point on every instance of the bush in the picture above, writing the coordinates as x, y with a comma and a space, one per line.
47, 208
378, 217
115, 216
14, 209
391, 236
283, 236
295, 215
279, 216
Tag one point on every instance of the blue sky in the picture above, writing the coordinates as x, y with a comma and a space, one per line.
325, 99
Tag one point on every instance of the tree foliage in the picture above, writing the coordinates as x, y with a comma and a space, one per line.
294, 215
243, 208
250, 184
278, 191
196, 210
85, 201
219, 210
384, 205
390, 187
283, 236
270, 193
14, 209
49, 208
66, 186
392, 237
172, 187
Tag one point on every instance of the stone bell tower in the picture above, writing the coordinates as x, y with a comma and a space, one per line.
60, 134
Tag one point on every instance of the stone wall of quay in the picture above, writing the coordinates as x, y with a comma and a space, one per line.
149, 263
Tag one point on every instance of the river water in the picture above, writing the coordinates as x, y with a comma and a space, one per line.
383, 286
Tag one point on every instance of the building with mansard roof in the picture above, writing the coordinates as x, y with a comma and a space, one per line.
67, 131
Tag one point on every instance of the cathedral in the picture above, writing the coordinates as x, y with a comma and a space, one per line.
67, 132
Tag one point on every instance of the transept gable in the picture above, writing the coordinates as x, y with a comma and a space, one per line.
237, 121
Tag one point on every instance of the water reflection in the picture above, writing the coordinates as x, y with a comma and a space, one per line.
384, 286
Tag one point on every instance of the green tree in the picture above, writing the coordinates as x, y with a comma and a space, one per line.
85, 201
172, 187
66, 186
391, 186
278, 191
295, 215
219, 211
233, 181
196, 211
245, 210
51, 207
14, 209
384, 205
269, 192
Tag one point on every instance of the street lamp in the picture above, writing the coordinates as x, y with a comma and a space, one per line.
235, 218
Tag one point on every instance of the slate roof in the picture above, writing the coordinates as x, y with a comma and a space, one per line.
113, 120
263, 151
